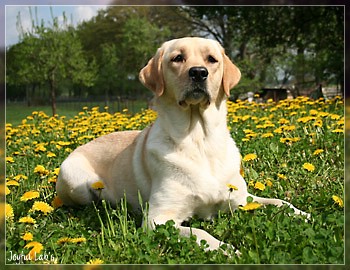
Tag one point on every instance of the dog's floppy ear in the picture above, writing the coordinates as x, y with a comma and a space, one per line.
151, 75
231, 75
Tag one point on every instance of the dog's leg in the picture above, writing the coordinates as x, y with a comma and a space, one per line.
279, 203
74, 181
213, 243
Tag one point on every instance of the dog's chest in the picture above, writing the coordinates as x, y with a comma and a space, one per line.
212, 154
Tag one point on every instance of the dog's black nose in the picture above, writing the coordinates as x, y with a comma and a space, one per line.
198, 74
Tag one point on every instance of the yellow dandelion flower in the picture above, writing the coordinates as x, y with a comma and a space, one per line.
41, 170
27, 236
20, 177
63, 240
288, 128
9, 211
249, 157
12, 183
269, 183
52, 180
39, 148
231, 187
323, 114
250, 206
251, 135
267, 135
42, 207
281, 176
28, 220
7, 191
62, 143
56, 171
50, 154
305, 119
95, 261
318, 123
338, 130
341, 121
78, 240
259, 185
29, 195
318, 151
283, 121
309, 167
338, 200
99, 185
56, 202
289, 141
313, 112
278, 130
335, 116
36, 249
10, 160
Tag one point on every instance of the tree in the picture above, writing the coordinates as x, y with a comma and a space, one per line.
136, 32
138, 43
21, 66
50, 54
261, 37
108, 66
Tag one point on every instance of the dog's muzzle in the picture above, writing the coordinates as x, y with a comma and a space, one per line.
197, 91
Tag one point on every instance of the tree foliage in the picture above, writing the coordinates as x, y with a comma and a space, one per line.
108, 65
49, 55
272, 45
303, 43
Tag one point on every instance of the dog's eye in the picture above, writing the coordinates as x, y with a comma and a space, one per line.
211, 59
178, 58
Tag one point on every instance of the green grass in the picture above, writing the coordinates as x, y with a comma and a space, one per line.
267, 235
16, 112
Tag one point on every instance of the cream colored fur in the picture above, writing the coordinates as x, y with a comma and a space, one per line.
182, 163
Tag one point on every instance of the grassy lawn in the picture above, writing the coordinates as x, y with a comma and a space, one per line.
16, 112
299, 148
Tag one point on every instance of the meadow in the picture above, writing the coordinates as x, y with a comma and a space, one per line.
292, 150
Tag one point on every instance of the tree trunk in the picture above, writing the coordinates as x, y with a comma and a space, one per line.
29, 94
29, 103
300, 76
106, 98
53, 94
243, 50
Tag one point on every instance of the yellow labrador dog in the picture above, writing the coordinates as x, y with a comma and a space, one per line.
183, 163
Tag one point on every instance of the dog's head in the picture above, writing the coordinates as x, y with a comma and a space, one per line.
191, 71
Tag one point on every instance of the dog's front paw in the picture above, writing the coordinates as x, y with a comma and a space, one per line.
230, 250
301, 213
307, 216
